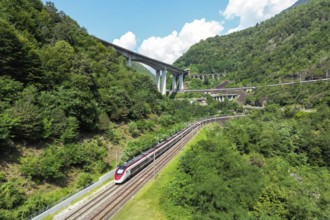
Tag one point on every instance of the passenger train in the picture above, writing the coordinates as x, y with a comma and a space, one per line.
135, 165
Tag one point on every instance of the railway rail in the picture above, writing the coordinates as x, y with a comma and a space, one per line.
140, 180
109, 201
106, 203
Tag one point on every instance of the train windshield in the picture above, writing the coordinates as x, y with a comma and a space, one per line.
120, 170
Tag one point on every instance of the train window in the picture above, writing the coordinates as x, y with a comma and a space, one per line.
120, 170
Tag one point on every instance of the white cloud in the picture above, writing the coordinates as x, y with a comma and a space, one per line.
252, 11
127, 41
171, 47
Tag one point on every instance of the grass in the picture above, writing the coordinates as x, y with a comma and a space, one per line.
146, 203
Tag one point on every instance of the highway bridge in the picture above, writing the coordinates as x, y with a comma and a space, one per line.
250, 88
160, 67
207, 76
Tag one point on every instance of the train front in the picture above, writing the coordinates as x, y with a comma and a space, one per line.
120, 174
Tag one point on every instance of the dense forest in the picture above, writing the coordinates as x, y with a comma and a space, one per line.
293, 42
68, 106
272, 164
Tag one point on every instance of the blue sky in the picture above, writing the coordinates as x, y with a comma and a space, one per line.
166, 29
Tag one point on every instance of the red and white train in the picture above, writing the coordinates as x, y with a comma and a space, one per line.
135, 165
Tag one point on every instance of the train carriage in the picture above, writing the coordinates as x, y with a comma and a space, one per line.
138, 163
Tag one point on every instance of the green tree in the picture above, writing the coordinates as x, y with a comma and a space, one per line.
71, 131
17, 60
56, 62
27, 114
9, 90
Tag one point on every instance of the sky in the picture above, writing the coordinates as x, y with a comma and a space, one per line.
164, 30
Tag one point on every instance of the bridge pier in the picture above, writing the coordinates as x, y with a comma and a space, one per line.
129, 61
160, 67
223, 97
181, 82
158, 79
174, 87
163, 86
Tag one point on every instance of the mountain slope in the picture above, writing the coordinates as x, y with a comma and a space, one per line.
63, 98
69, 108
299, 3
295, 41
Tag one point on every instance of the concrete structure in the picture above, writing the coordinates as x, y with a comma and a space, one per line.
160, 67
248, 89
210, 76
251, 88
222, 97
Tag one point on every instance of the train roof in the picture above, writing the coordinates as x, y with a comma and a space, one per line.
149, 151
130, 162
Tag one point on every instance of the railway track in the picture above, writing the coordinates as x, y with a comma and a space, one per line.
108, 202
145, 176
101, 196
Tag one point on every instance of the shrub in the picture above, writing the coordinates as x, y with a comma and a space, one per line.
104, 122
10, 196
2, 177
86, 156
113, 134
167, 120
133, 129
6, 125
71, 132
48, 166
84, 179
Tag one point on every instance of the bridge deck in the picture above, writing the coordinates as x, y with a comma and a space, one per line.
156, 64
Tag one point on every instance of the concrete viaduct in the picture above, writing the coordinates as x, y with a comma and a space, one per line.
222, 97
209, 75
160, 67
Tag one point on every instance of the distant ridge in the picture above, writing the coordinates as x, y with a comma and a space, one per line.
291, 43
299, 2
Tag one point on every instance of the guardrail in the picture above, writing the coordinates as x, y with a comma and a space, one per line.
69, 200
65, 203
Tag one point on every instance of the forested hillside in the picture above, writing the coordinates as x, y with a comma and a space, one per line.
293, 42
271, 164
69, 108
274, 163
